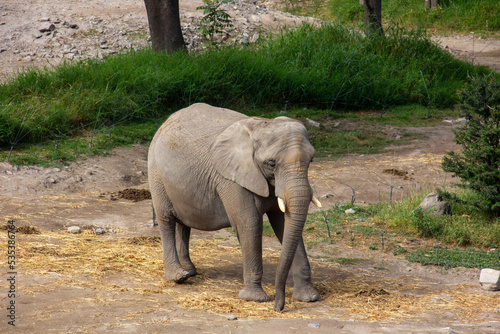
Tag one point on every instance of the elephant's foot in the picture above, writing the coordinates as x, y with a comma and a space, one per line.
305, 293
178, 276
188, 266
191, 271
255, 294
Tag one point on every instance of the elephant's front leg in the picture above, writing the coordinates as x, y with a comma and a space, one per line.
182, 234
249, 233
247, 224
250, 237
303, 289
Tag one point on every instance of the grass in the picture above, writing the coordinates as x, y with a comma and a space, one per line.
64, 150
450, 258
465, 227
336, 69
467, 238
461, 16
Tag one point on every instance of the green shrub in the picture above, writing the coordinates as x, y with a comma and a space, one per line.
215, 19
330, 67
427, 225
478, 165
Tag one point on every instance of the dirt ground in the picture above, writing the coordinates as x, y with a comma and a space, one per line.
109, 277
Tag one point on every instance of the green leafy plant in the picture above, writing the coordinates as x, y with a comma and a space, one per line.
215, 19
426, 225
478, 165
451, 258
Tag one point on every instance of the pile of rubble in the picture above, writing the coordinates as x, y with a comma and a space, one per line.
67, 36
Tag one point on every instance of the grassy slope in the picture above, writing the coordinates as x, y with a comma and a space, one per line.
327, 68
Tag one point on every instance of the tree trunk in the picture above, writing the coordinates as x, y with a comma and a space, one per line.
432, 4
373, 16
165, 25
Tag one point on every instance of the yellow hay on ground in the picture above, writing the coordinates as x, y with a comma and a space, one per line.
89, 261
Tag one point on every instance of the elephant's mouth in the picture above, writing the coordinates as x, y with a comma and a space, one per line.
282, 205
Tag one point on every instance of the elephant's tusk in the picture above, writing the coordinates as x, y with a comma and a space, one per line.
281, 204
316, 202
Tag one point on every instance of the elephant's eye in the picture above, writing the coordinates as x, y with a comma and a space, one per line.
271, 163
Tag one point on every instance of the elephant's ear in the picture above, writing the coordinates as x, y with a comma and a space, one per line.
232, 154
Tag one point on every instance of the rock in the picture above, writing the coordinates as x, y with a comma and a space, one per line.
434, 205
489, 279
232, 317
349, 211
255, 38
254, 18
47, 27
313, 123
99, 231
74, 229
314, 325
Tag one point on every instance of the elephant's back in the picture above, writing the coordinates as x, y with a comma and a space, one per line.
198, 121
180, 165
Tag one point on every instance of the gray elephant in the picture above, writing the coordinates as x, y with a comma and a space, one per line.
211, 168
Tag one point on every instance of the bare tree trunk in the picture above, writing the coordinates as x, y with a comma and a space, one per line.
432, 4
373, 16
165, 25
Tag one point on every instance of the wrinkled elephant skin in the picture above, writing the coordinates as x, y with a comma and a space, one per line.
211, 168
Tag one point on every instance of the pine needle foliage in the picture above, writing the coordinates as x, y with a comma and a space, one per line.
478, 165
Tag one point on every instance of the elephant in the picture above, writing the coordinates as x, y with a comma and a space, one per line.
210, 168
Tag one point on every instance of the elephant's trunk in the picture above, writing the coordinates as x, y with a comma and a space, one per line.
297, 196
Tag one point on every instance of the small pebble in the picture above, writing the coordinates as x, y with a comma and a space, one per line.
74, 229
232, 317
314, 325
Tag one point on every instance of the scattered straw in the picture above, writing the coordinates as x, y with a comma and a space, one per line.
134, 265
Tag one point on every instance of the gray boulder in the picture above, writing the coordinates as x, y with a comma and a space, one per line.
434, 205
489, 279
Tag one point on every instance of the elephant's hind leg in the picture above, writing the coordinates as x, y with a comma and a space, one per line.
166, 221
173, 269
182, 233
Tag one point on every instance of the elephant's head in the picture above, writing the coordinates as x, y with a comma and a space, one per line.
266, 156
